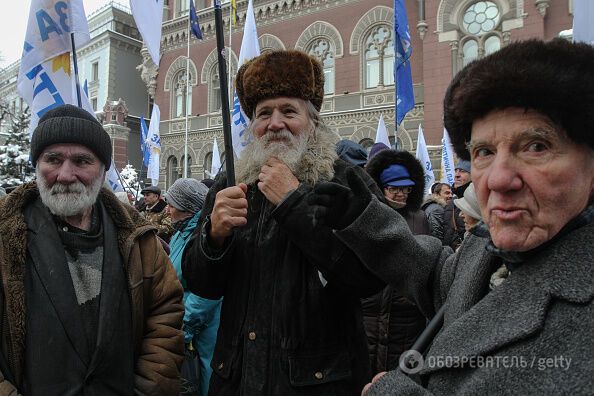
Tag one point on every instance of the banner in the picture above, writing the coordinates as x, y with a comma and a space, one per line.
216, 160
447, 159
250, 48
381, 136
148, 15
144, 142
405, 98
155, 146
48, 31
583, 21
423, 156
195, 26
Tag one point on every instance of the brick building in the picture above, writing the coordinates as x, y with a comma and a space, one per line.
353, 38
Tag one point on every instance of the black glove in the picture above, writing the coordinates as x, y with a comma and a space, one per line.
337, 205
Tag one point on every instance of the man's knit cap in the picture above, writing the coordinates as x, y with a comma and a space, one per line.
71, 124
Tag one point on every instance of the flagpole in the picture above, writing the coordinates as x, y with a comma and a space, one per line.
224, 94
229, 60
75, 62
186, 97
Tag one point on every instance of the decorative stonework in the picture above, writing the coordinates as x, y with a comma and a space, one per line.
270, 42
176, 66
148, 72
375, 16
422, 28
320, 29
541, 6
212, 60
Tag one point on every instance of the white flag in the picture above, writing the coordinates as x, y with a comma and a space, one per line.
216, 160
48, 31
423, 157
148, 15
155, 146
250, 48
583, 21
381, 136
113, 178
447, 159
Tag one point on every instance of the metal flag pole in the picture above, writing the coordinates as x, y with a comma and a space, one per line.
75, 62
224, 94
186, 96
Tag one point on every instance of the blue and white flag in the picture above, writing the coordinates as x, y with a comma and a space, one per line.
583, 21
405, 98
154, 146
216, 160
48, 31
381, 135
113, 178
194, 25
447, 159
148, 15
423, 156
144, 143
250, 48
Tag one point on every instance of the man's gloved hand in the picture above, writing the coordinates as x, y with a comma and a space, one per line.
338, 206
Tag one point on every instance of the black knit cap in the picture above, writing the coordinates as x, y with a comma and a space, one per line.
71, 124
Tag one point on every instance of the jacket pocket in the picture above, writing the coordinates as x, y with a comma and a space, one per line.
319, 368
225, 360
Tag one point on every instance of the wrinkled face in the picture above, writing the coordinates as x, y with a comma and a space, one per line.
176, 214
530, 179
446, 193
469, 221
151, 198
275, 120
69, 177
461, 177
398, 195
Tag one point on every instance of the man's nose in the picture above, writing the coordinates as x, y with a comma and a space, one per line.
276, 121
66, 173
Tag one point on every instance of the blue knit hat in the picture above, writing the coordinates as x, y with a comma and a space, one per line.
463, 165
396, 175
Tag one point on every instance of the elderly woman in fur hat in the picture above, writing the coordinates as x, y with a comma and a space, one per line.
524, 118
392, 322
291, 319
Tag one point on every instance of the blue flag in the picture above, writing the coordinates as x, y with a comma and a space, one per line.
405, 98
194, 21
144, 147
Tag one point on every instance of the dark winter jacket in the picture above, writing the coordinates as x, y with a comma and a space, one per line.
434, 211
515, 339
154, 293
392, 322
291, 316
453, 225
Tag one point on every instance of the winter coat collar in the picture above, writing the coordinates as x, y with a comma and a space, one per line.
13, 245
517, 309
158, 207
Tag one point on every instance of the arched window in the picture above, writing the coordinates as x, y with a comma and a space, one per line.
183, 164
215, 91
207, 165
479, 23
379, 57
171, 171
182, 90
323, 50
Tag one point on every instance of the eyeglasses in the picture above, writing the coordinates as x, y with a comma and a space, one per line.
396, 190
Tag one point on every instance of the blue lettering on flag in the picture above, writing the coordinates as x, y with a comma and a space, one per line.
239, 120
45, 84
47, 25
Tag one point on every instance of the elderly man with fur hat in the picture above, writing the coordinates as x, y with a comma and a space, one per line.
291, 316
90, 301
523, 116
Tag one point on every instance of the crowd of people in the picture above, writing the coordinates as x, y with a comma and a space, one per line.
322, 267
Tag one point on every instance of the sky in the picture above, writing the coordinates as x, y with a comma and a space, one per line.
13, 24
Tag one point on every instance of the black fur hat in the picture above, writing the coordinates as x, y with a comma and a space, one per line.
555, 78
385, 158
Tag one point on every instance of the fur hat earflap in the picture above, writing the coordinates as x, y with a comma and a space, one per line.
288, 73
385, 158
554, 78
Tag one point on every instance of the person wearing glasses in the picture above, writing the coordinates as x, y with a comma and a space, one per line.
392, 322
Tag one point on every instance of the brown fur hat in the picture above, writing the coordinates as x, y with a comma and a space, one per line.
288, 73
554, 78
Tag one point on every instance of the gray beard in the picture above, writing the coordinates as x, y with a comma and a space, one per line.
283, 145
66, 200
